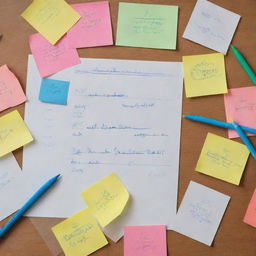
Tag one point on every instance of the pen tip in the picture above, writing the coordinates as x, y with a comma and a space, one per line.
57, 176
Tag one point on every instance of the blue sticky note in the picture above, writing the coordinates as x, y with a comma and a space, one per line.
54, 91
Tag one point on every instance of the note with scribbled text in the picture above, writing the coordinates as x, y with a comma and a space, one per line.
200, 213
212, 26
204, 74
223, 158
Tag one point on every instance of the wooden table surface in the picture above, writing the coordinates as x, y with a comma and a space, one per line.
234, 238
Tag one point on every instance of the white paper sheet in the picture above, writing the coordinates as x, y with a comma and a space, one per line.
212, 26
200, 213
10, 173
122, 116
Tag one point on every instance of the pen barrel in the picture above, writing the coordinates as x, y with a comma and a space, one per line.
27, 205
244, 64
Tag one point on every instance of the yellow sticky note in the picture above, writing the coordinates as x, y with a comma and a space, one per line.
13, 133
80, 234
223, 159
51, 18
204, 74
107, 199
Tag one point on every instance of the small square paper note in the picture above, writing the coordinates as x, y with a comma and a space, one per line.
200, 213
54, 91
145, 240
222, 158
147, 25
240, 105
204, 74
212, 26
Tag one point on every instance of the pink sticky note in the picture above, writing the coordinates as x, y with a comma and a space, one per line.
94, 28
240, 106
145, 241
52, 58
250, 216
11, 93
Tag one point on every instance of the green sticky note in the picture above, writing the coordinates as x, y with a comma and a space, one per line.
147, 25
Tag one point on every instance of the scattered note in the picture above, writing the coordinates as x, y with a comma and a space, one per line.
106, 199
9, 170
250, 215
94, 28
80, 234
223, 159
11, 93
13, 133
212, 26
200, 213
147, 25
145, 240
9, 173
51, 18
54, 91
51, 59
240, 106
204, 74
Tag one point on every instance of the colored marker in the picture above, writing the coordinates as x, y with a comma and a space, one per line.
244, 64
27, 205
245, 139
214, 122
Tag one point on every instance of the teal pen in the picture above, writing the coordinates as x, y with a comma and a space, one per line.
27, 205
244, 64
214, 122
245, 139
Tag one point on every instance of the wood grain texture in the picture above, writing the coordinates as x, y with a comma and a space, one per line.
233, 237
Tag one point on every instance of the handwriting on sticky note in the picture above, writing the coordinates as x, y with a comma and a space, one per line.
51, 18
145, 240
223, 159
107, 199
13, 133
52, 58
54, 91
94, 28
250, 215
11, 93
211, 26
9, 171
240, 105
80, 234
200, 213
147, 25
204, 74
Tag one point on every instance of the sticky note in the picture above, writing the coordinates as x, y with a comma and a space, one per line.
240, 106
11, 93
13, 133
223, 159
147, 25
51, 18
211, 26
80, 234
54, 91
200, 213
145, 240
250, 215
204, 74
106, 199
94, 28
52, 58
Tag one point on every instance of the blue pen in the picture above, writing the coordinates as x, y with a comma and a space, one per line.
214, 122
244, 139
27, 205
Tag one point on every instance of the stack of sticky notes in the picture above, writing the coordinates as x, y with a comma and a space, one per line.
63, 28
81, 234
